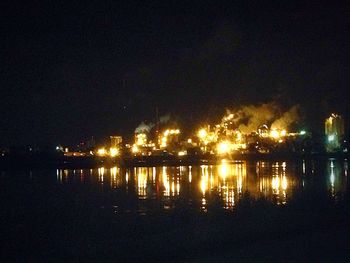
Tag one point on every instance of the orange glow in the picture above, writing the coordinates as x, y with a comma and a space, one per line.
101, 152
224, 147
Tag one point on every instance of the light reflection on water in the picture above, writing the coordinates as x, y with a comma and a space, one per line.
198, 186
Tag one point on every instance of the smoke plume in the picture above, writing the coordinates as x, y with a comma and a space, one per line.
248, 118
143, 127
289, 117
147, 127
164, 119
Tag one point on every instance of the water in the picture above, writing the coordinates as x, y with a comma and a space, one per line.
184, 212
143, 190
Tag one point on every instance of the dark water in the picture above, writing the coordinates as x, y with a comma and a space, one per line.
71, 212
143, 189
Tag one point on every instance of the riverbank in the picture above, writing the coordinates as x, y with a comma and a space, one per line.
80, 162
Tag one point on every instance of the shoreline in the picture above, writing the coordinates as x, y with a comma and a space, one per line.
81, 162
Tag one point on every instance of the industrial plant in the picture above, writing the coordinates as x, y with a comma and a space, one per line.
262, 130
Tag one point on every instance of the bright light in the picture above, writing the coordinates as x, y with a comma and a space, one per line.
302, 132
284, 183
166, 134
182, 153
283, 133
163, 141
204, 184
141, 139
113, 152
101, 151
223, 147
274, 134
171, 132
275, 183
135, 149
202, 133
331, 138
224, 169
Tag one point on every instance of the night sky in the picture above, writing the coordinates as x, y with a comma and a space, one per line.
75, 70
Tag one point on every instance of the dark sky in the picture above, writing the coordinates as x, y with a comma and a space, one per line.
70, 71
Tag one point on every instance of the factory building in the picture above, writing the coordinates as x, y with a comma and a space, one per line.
116, 141
334, 131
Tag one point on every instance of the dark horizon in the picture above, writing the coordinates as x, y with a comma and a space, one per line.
76, 70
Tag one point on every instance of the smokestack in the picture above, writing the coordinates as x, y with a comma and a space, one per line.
157, 128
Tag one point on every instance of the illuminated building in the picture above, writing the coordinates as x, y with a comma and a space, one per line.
113, 151
334, 131
208, 138
140, 139
224, 147
101, 151
170, 137
141, 145
116, 141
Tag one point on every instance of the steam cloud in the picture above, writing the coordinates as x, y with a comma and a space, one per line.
147, 127
289, 117
248, 118
164, 119
143, 127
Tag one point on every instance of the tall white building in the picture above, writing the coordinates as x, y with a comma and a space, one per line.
334, 130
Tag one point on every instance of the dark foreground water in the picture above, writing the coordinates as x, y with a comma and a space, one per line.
236, 210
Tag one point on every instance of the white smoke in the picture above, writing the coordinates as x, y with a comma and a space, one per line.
147, 127
248, 118
289, 117
143, 127
164, 119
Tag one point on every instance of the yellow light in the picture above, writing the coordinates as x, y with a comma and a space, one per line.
141, 139
284, 183
223, 147
166, 182
182, 153
114, 171
101, 172
202, 133
274, 134
275, 183
101, 151
204, 184
223, 169
171, 132
135, 149
113, 152
189, 141
283, 133
163, 141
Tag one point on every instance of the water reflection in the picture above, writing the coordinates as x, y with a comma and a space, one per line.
337, 173
199, 186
